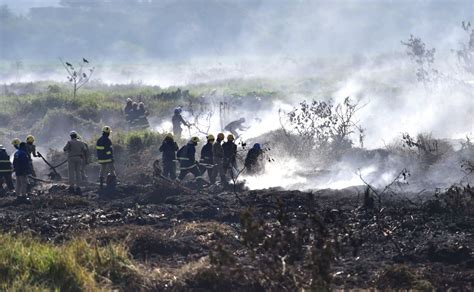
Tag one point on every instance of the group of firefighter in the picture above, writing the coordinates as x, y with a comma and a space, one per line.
218, 158
22, 165
136, 114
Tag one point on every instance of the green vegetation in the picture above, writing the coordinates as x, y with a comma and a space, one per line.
138, 140
49, 111
30, 265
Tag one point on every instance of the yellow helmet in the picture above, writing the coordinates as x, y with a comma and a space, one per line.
195, 139
220, 136
230, 137
30, 139
210, 137
16, 142
106, 129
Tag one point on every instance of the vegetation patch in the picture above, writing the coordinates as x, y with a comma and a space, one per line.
29, 264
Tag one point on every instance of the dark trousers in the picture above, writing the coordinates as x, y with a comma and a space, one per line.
192, 169
7, 178
169, 169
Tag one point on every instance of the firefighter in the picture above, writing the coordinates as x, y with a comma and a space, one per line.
253, 158
5, 169
142, 121
218, 159
76, 153
128, 109
230, 155
187, 159
207, 160
169, 148
134, 115
86, 159
105, 156
31, 151
16, 143
236, 125
21, 166
177, 120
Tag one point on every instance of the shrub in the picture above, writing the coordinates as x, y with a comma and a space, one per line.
139, 140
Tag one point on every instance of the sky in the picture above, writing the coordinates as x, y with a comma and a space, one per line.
267, 27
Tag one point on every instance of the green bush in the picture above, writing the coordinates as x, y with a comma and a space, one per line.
139, 140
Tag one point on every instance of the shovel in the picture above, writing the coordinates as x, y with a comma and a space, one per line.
54, 175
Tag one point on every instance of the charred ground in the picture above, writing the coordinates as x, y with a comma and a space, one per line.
268, 239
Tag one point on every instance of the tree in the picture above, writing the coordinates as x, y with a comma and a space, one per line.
466, 53
78, 76
423, 57
322, 125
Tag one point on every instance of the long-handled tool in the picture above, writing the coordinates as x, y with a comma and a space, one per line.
53, 175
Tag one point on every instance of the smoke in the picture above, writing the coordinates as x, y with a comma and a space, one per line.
299, 49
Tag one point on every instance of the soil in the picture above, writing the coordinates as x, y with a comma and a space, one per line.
169, 229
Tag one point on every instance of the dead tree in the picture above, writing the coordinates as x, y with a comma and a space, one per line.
78, 76
201, 112
322, 125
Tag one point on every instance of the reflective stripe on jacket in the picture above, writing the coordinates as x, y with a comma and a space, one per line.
104, 150
187, 156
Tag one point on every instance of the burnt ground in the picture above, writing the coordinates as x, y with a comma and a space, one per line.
190, 240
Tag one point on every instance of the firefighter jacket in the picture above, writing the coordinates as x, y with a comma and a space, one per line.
230, 151
186, 156
76, 148
169, 148
104, 150
206, 154
5, 164
217, 152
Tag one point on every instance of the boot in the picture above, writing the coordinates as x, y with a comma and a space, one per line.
71, 190
78, 191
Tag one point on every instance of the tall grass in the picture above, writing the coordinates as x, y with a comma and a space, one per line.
26, 264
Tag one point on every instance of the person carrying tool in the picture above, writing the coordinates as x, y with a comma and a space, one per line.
254, 156
31, 150
177, 120
230, 155
105, 156
76, 152
21, 166
169, 148
236, 125
5, 169
207, 160
218, 159
187, 159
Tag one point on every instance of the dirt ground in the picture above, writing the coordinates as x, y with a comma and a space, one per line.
410, 241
